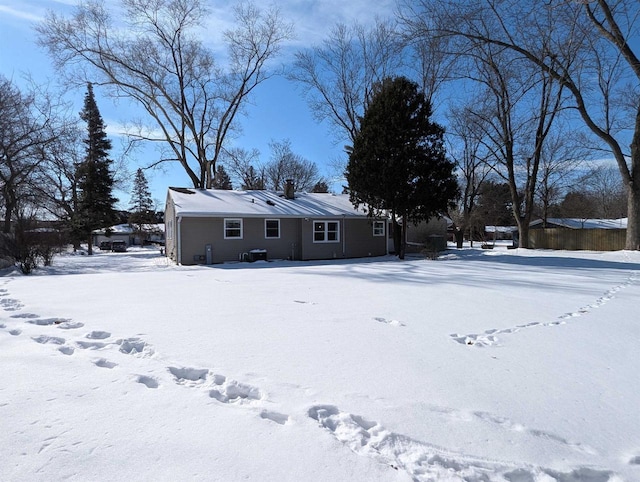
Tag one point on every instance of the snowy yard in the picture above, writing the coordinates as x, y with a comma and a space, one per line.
483, 365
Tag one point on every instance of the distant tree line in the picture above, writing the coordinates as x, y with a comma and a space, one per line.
248, 172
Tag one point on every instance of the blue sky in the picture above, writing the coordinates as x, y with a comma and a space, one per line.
278, 110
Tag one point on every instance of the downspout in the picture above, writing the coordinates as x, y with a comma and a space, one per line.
179, 241
344, 236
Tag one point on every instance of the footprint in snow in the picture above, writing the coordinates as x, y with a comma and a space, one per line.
43, 339
279, 418
232, 391
103, 363
224, 390
489, 337
25, 315
66, 350
91, 345
69, 325
389, 322
518, 427
98, 335
135, 346
147, 381
189, 376
35, 320
9, 304
424, 461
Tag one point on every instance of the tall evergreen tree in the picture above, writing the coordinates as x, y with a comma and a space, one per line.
221, 179
141, 204
398, 162
141, 207
95, 180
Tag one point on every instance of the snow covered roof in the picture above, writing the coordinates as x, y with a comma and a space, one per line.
217, 202
578, 223
500, 229
128, 229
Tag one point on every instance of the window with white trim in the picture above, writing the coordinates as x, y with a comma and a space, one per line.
378, 228
326, 231
272, 228
233, 228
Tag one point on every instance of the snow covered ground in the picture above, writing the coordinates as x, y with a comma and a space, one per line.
481, 366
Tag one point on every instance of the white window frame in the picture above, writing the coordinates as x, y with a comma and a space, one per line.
266, 230
378, 228
325, 231
226, 228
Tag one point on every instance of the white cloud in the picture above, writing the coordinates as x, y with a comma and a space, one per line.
25, 13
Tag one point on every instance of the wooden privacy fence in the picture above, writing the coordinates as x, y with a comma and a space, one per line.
578, 239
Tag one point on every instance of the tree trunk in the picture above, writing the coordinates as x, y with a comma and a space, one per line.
403, 237
397, 237
523, 233
633, 217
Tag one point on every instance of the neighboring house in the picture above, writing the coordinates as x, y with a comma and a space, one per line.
153, 233
431, 234
578, 234
216, 226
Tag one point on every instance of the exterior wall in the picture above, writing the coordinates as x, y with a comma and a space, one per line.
361, 242
356, 240
196, 233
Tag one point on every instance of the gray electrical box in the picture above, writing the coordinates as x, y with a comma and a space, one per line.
209, 253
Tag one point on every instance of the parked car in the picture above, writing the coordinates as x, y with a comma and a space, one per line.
105, 245
118, 246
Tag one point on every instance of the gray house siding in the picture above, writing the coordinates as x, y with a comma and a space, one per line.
360, 239
197, 233
356, 240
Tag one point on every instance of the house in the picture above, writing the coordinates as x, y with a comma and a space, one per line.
153, 233
578, 234
214, 226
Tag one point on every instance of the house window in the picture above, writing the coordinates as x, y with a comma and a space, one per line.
378, 228
272, 228
326, 231
233, 229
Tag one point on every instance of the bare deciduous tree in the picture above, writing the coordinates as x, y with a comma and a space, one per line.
588, 47
472, 160
338, 75
560, 168
604, 185
244, 168
28, 128
285, 164
157, 60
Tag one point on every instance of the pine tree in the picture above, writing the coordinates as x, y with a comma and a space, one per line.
141, 205
95, 180
398, 162
221, 179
